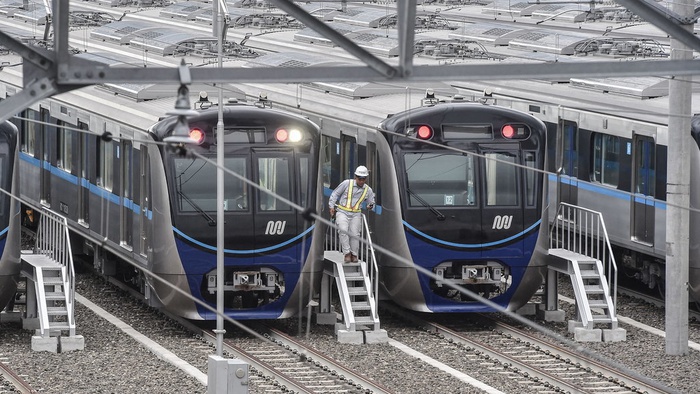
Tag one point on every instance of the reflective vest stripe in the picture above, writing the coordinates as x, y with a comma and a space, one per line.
348, 203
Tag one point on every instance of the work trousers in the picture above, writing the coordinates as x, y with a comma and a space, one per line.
352, 223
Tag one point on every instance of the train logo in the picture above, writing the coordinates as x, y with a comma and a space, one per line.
275, 227
502, 222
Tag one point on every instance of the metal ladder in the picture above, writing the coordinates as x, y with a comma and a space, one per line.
50, 277
580, 248
357, 282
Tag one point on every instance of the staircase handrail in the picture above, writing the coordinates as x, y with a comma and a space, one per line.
371, 258
572, 225
53, 240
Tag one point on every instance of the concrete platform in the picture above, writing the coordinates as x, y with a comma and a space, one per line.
351, 337
327, 319
587, 334
378, 336
44, 344
551, 316
614, 335
71, 343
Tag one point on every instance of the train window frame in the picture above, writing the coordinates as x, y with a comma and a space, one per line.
605, 163
64, 159
417, 198
531, 177
291, 176
29, 132
240, 197
494, 197
105, 179
570, 147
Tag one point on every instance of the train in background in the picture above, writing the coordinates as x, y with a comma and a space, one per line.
128, 197
10, 230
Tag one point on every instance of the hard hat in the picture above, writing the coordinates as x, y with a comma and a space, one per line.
362, 172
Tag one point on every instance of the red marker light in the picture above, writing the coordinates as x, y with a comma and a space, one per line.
197, 135
282, 135
424, 132
508, 131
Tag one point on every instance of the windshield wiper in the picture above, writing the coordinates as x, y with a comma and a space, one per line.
210, 220
432, 209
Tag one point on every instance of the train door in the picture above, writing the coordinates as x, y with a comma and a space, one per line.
144, 200
44, 156
126, 218
567, 187
83, 177
643, 187
503, 209
273, 217
348, 157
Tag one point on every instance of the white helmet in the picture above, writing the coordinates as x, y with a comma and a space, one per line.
362, 172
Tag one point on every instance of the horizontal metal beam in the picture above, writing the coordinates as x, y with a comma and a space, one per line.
88, 75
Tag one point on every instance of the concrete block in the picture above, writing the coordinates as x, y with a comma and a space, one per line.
44, 344
527, 310
71, 343
378, 336
351, 337
328, 318
587, 335
552, 316
10, 317
614, 335
573, 324
31, 323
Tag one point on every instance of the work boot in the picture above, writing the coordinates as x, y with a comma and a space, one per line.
348, 258
354, 258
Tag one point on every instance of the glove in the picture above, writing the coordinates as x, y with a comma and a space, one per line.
370, 207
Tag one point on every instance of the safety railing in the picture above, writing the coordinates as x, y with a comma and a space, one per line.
582, 230
53, 241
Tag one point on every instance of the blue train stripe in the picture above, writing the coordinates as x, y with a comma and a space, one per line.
4, 231
607, 191
94, 189
472, 246
250, 251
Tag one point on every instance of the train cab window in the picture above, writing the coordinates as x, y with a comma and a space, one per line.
195, 185
501, 179
440, 179
530, 159
606, 164
29, 134
274, 175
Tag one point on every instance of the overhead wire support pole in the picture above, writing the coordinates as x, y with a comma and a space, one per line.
678, 194
406, 25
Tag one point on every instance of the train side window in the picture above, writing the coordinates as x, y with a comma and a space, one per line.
501, 179
645, 166
106, 163
65, 147
439, 179
570, 149
29, 132
273, 175
606, 154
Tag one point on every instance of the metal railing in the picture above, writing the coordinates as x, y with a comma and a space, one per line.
582, 230
52, 240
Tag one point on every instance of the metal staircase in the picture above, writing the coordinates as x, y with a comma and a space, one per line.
580, 248
357, 283
50, 278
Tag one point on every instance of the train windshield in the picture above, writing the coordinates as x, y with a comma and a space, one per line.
440, 179
195, 183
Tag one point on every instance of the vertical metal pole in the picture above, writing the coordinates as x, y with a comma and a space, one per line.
678, 194
220, 203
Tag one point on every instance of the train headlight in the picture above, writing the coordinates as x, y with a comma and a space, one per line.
197, 135
294, 135
515, 131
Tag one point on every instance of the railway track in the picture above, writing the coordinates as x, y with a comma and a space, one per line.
11, 382
537, 365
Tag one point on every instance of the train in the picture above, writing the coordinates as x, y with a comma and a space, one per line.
10, 230
462, 192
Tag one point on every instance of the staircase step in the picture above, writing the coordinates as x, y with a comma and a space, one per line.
55, 296
594, 289
598, 304
59, 326
364, 320
57, 310
360, 306
53, 280
587, 274
601, 319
